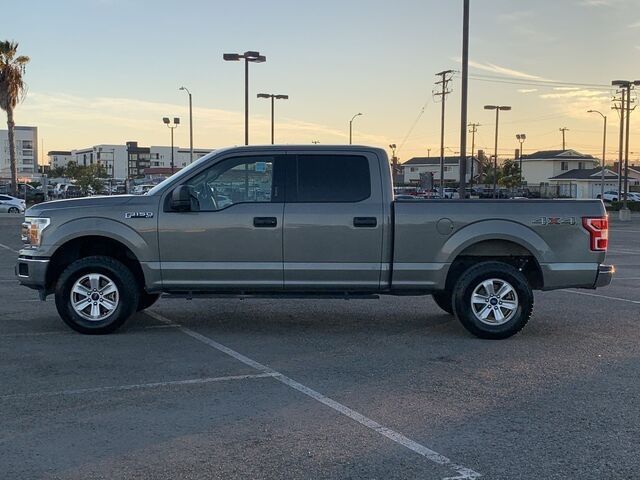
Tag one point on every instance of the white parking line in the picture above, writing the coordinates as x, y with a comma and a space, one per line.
623, 252
463, 472
193, 381
8, 248
637, 302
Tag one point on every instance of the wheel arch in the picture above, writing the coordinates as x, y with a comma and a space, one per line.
497, 240
89, 245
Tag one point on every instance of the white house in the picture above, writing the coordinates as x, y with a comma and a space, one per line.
581, 183
26, 152
413, 168
539, 167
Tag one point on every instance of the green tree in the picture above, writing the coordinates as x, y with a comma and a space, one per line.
86, 177
510, 177
12, 91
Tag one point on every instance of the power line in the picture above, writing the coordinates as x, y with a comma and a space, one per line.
537, 83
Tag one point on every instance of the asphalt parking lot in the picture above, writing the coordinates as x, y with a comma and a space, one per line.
362, 389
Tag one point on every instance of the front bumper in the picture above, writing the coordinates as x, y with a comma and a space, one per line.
605, 275
32, 271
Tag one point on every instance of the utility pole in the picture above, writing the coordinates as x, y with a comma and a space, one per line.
462, 190
474, 129
621, 142
625, 214
445, 76
563, 130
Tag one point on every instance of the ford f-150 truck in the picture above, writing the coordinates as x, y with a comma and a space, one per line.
307, 221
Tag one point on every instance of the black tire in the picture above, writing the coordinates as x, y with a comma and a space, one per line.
127, 290
146, 300
472, 279
443, 300
13, 210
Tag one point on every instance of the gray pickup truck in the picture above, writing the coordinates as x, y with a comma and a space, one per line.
307, 221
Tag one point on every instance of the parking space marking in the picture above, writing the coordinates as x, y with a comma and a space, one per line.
637, 302
8, 248
435, 457
80, 391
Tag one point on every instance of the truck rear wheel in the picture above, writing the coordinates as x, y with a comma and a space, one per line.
443, 300
96, 295
493, 300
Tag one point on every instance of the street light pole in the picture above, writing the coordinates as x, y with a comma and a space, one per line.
497, 108
190, 124
604, 149
176, 122
273, 97
250, 56
462, 191
351, 127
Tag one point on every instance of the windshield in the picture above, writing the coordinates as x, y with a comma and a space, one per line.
184, 171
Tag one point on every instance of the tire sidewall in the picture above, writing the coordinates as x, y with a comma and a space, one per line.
116, 272
469, 282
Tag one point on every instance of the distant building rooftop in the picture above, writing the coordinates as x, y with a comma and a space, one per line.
557, 155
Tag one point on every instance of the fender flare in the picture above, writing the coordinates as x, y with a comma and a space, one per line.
99, 227
484, 230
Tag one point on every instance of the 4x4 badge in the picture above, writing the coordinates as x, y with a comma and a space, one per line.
554, 221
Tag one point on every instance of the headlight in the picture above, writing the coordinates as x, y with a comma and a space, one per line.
32, 229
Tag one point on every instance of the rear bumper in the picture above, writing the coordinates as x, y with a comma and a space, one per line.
605, 275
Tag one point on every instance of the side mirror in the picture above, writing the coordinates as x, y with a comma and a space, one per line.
181, 199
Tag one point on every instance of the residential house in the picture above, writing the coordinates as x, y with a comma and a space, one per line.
412, 169
582, 183
539, 167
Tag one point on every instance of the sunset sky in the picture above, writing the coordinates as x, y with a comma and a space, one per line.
107, 71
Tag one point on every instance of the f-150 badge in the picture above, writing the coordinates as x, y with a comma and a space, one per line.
554, 221
138, 214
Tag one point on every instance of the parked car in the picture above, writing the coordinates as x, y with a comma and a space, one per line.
612, 196
71, 191
9, 204
405, 197
142, 189
448, 192
330, 227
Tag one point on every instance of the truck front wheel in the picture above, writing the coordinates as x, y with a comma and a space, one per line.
493, 300
96, 295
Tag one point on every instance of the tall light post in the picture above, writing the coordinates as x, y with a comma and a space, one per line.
351, 127
190, 124
248, 57
172, 127
521, 137
273, 97
497, 108
604, 149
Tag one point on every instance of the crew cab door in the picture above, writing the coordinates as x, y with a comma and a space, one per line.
231, 238
333, 222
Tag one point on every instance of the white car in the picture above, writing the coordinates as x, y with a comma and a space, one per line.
449, 192
612, 196
9, 204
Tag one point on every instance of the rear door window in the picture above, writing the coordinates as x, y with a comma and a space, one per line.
330, 178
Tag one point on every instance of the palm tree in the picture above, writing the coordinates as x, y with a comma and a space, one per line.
12, 91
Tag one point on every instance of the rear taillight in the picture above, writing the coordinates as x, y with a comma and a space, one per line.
598, 228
